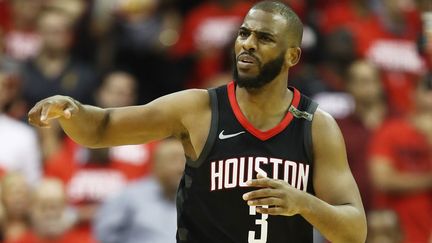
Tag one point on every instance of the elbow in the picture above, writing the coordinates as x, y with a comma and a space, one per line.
358, 232
355, 230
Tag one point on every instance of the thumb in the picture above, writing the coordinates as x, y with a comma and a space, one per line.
71, 109
260, 176
67, 113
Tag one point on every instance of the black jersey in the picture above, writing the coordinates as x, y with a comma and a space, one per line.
209, 200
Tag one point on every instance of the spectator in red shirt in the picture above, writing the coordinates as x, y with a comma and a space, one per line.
390, 43
344, 14
401, 166
21, 39
49, 216
207, 32
364, 85
92, 175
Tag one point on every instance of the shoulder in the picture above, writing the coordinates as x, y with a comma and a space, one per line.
183, 102
324, 124
326, 136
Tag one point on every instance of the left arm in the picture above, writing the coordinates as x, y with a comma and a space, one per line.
336, 210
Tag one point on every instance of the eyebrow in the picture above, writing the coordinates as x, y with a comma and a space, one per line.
263, 33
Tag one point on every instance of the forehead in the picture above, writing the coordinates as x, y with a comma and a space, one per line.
259, 20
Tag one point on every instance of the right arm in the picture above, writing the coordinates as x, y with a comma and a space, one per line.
387, 178
96, 127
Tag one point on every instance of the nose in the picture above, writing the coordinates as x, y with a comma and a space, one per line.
250, 44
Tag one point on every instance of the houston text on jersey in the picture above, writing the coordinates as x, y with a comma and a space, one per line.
235, 172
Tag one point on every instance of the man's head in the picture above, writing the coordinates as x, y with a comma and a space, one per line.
15, 196
48, 209
364, 82
118, 89
267, 45
169, 162
56, 29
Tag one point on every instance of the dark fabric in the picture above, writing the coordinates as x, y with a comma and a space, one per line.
210, 205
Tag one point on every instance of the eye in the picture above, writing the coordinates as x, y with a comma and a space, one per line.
243, 33
266, 38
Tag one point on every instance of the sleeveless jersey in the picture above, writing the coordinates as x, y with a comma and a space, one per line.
209, 199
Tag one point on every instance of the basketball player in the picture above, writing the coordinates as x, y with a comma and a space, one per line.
264, 166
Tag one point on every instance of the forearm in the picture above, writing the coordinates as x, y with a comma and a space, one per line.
402, 182
339, 223
87, 125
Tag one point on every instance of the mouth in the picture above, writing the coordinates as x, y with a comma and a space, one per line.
247, 59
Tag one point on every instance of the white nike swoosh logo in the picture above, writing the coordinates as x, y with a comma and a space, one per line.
223, 136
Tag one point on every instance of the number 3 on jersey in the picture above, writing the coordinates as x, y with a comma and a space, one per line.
264, 225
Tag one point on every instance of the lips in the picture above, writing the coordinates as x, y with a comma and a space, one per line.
246, 58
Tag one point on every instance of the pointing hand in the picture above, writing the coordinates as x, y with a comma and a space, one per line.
52, 108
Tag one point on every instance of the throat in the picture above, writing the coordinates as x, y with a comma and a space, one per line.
264, 111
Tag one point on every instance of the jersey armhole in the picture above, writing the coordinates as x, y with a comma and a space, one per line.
212, 131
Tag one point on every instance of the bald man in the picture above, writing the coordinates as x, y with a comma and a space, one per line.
264, 164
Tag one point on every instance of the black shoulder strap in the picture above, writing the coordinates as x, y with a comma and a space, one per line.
212, 132
308, 130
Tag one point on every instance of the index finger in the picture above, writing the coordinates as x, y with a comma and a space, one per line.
263, 182
34, 116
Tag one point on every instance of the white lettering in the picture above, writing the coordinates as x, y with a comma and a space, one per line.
303, 177
290, 172
275, 163
258, 161
235, 172
242, 181
231, 173
216, 175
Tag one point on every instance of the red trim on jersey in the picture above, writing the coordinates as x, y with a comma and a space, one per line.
262, 135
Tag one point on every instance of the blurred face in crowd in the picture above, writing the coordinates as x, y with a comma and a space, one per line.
394, 7
74, 8
364, 82
137, 9
169, 165
55, 28
9, 89
117, 90
383, 227
261, 50
48, 208
25, 12
15, 196
339, 46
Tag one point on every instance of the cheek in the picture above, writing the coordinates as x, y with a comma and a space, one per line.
237, 47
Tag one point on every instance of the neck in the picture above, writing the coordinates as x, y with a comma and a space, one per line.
14, 229
266, 106
371, 113
52, 64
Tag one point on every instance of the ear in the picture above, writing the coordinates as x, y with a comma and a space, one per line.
292, 56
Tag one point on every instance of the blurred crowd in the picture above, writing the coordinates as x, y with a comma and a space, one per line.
367, 62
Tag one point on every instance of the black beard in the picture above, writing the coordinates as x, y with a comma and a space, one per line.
268, 72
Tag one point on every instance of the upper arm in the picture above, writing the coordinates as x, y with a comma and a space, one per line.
333, 181
158, 119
